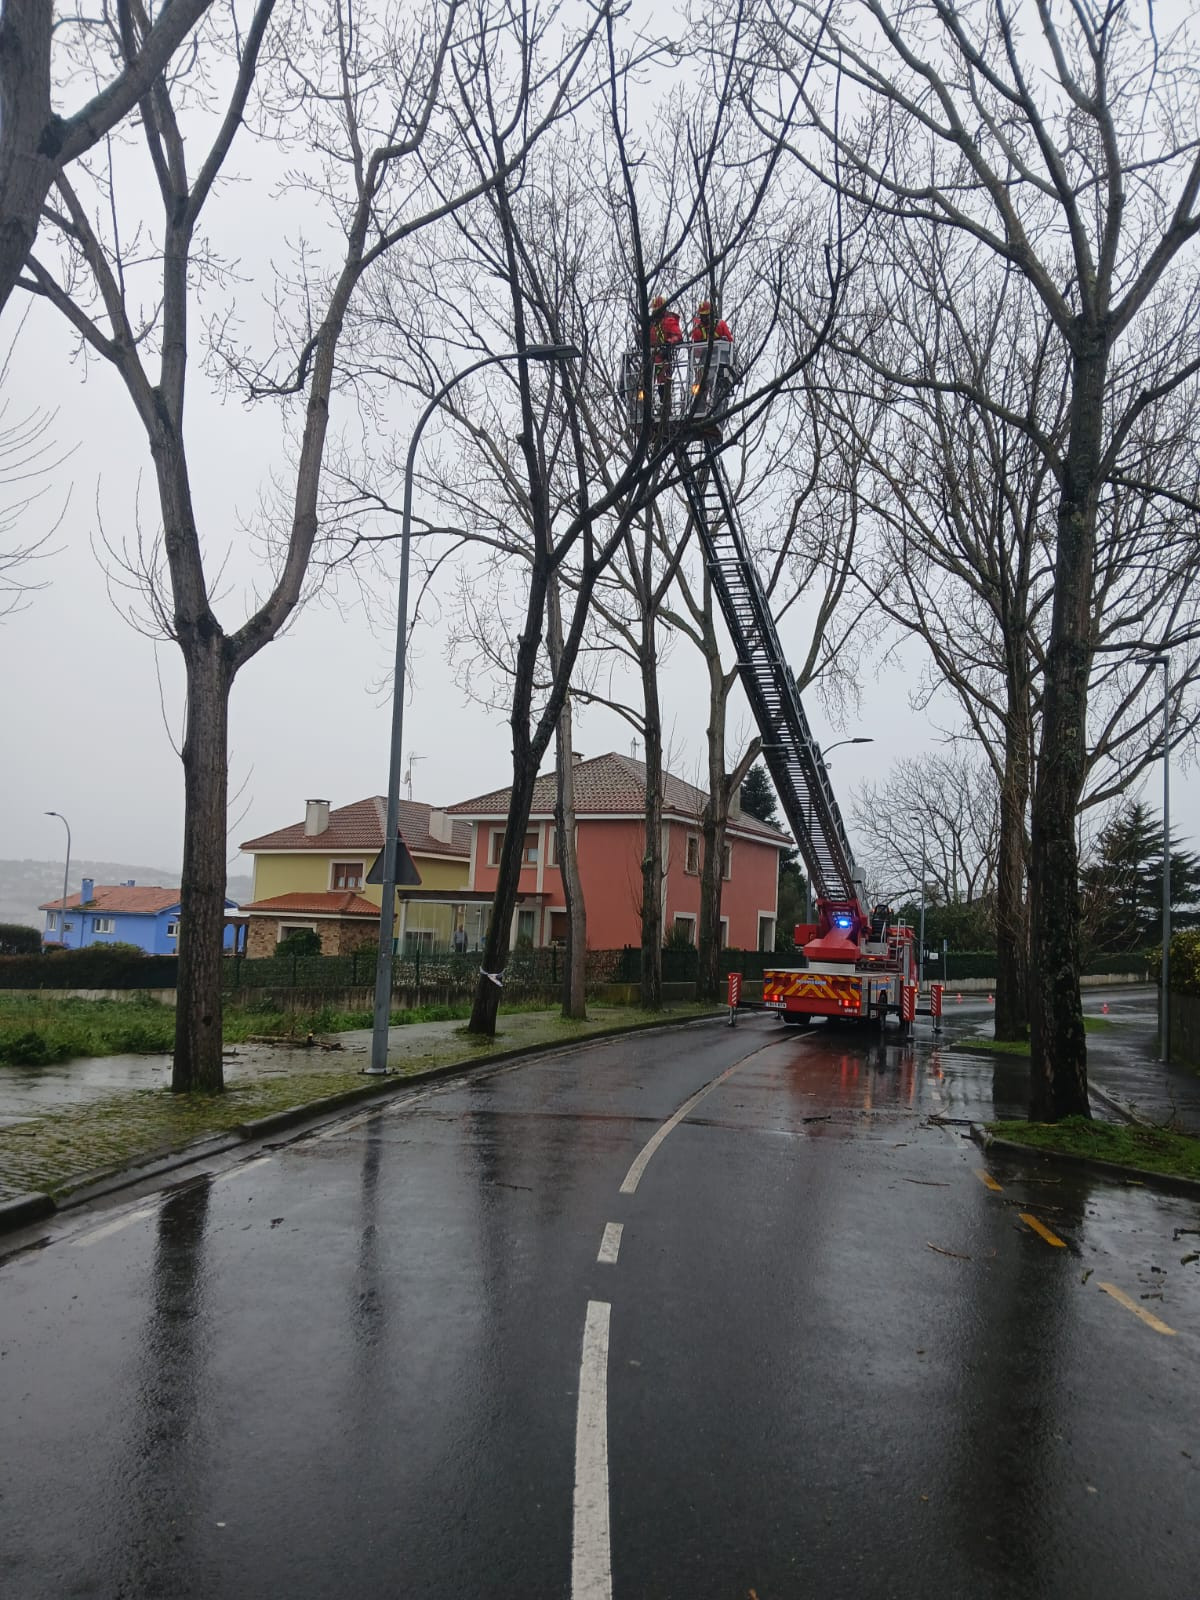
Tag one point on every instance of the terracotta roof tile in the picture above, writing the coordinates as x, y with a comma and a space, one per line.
617, 784
140, 900
332, 903
360, 826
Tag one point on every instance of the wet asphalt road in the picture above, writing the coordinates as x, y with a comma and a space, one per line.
840, 1364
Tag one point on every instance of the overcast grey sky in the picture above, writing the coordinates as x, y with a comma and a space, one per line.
83, 725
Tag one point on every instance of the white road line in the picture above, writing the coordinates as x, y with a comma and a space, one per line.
591, 1557
611, 1243
115, 1226
240, 1172
634, 1176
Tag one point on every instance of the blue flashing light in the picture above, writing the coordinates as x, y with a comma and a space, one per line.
843, 922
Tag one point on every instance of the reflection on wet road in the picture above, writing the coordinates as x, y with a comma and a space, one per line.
820, 1347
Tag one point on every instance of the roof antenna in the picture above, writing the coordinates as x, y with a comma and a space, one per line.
412, 761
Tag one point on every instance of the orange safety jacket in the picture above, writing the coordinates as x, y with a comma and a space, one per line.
701, 333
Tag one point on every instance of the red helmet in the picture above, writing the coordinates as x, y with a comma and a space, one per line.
704, 309
658, 303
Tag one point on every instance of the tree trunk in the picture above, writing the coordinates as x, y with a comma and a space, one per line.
1012, 912
197, 1063
716, 812
27, 166
574, 990
652, 854
508, 882
1058, 1044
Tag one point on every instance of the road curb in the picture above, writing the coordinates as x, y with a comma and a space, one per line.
1167, 1182
1121, 1108
24, 1209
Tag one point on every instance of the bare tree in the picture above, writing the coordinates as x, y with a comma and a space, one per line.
37, 53
1067, 152
368, 93
935, 819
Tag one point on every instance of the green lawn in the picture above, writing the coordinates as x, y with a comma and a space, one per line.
44, 1029
1149, 1149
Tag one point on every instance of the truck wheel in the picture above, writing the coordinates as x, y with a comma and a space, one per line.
797, 1019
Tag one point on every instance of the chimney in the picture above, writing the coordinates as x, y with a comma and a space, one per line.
735, 805
441, 826
316, 817
576, 757
87, 891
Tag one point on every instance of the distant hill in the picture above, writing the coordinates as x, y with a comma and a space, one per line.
24, 885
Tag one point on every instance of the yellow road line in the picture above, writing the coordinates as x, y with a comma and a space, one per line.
986, 1178
1040, 1227
1147, 1317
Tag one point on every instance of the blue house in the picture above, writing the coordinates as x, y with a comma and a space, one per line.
122, 913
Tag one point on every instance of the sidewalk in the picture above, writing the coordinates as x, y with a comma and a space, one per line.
1122, 1062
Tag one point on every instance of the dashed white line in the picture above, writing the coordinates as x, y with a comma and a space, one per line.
634, 1176
610, 1244
591, 1556
114, 1226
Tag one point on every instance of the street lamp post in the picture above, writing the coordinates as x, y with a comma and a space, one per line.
858, 739
1164, 999
387, 909
62, 920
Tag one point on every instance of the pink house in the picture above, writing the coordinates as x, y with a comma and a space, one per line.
610, 810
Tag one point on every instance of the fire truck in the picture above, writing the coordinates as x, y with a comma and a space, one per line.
857, 962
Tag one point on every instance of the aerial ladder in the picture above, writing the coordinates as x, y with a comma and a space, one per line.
858, 963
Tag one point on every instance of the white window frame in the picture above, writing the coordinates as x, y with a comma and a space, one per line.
295, 927
724, 933
495, 846
727, 860
525, 911
173, 928
690, 849
346, 888
690, 918
104, 924
773, 918
52, 922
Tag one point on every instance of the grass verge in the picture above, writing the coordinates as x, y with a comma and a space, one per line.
55, 1151
1020, 1047
46, 1029
1147, 1149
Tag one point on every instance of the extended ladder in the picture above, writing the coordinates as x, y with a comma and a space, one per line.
792, 756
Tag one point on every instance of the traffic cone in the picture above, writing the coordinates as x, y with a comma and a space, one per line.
958, 997
1104, 1008
991, 1002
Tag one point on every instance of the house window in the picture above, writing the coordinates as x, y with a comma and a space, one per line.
766, 933
685, 926
291, 927
104, 924
173, 928
692, 858
51, 921
347, 875
727, 861
724, 933
529, 855
526, 927
558, 927
419, 940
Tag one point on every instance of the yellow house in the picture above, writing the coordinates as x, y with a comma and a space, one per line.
314, 874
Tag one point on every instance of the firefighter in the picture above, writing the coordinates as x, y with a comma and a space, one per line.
664, 332
702, 325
